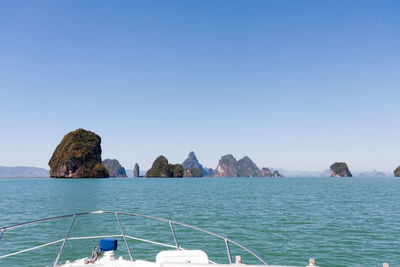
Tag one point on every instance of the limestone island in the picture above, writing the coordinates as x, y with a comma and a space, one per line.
136, 171
192, 167
397, 172
228, 166
162, 169
78, 156
340, 169
114, 168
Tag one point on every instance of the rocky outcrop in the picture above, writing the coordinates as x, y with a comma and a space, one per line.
340, 169
162, 169
136, 171
192, 172
276, 174
78, 156
176, 170
247, 168
397, 172
192, 162
209, 171
114, 168
227, 167
265, 172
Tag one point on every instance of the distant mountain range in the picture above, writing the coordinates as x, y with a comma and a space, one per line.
22, 172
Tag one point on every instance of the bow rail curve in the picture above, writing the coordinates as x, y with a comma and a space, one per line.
123, 235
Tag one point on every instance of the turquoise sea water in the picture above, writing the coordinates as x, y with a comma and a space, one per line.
339, 222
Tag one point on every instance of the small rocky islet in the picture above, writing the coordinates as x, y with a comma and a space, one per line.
340, 169
136, 171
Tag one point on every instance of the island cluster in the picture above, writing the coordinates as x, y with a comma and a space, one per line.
79, 156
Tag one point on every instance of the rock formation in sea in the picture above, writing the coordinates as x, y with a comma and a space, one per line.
78, 156
397, 172
227, 167
276, 174
192, 172
192, 162
209, 171
247, 168
114, 168
265, 172
176, 170
136, 171
162, 169
340, 169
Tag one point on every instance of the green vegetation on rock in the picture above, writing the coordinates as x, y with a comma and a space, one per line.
78, 156
176, 170
162, 169
193, 172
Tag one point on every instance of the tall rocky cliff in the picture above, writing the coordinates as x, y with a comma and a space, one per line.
136, 171
247, 168
162, 169
192, 162
227, 167
78, 156
340, 169
114, 168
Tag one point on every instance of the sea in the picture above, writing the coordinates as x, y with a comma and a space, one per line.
286, 221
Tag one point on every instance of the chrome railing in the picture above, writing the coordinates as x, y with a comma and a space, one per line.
123, 235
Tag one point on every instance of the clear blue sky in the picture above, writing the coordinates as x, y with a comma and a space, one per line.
291, 84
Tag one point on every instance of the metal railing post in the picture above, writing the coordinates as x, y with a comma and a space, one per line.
249, 251
65, 240
228, 251
1, 233
123, 235
173, 234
